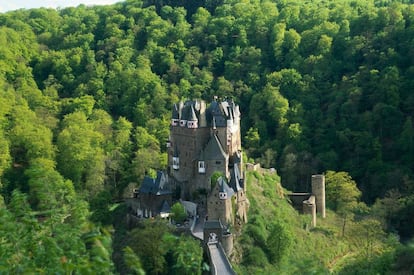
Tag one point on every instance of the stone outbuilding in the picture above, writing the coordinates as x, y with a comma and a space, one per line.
154, 196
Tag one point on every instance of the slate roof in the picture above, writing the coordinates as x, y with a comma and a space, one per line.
216, 114
236, 182
224, 187
175, 112
165, 208
214, 150
186, 110
219, 112
192, 116
158, 186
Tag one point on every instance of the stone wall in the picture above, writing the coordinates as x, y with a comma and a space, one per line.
220, 209
309, 208
227, 243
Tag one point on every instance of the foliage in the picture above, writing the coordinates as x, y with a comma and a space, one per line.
133, 262
279, 242
86, 93
164, 253
342, 194
288, 246
187, 256
51, 240
178, 212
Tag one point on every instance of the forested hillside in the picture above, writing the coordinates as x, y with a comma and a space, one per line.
86, 96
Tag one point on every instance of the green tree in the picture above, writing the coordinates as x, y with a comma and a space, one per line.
252, 142
81, 157
342, 194
178, 212
188, 256
279, 242
133, 262
147, 243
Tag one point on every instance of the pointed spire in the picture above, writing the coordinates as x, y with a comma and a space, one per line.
192, 120
193, 116
175, 118
175, 113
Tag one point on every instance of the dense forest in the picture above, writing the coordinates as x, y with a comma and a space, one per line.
86, 96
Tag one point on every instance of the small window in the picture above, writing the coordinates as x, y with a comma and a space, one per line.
223, 195
201, 167
218, 162
176, 163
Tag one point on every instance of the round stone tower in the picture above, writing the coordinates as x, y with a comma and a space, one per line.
318, 190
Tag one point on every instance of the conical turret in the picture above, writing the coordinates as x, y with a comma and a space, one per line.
192, 120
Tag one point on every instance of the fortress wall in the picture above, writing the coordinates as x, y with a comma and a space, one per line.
309, 207
227, 243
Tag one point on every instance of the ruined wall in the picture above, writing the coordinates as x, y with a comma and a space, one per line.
309, 208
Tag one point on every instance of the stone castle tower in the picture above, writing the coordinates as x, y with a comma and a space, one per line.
205, 140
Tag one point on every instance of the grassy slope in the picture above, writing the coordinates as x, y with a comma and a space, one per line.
313, 251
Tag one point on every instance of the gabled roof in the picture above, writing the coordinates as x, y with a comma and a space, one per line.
157, 186
214, 150
215, 115
163, 184
147, 186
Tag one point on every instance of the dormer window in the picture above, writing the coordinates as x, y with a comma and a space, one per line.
201, 167
223, 196
175, 122
192, 124
183, 123
176, 163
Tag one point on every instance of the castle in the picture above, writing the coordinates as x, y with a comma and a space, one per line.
204, 165
204, 141
311, 203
